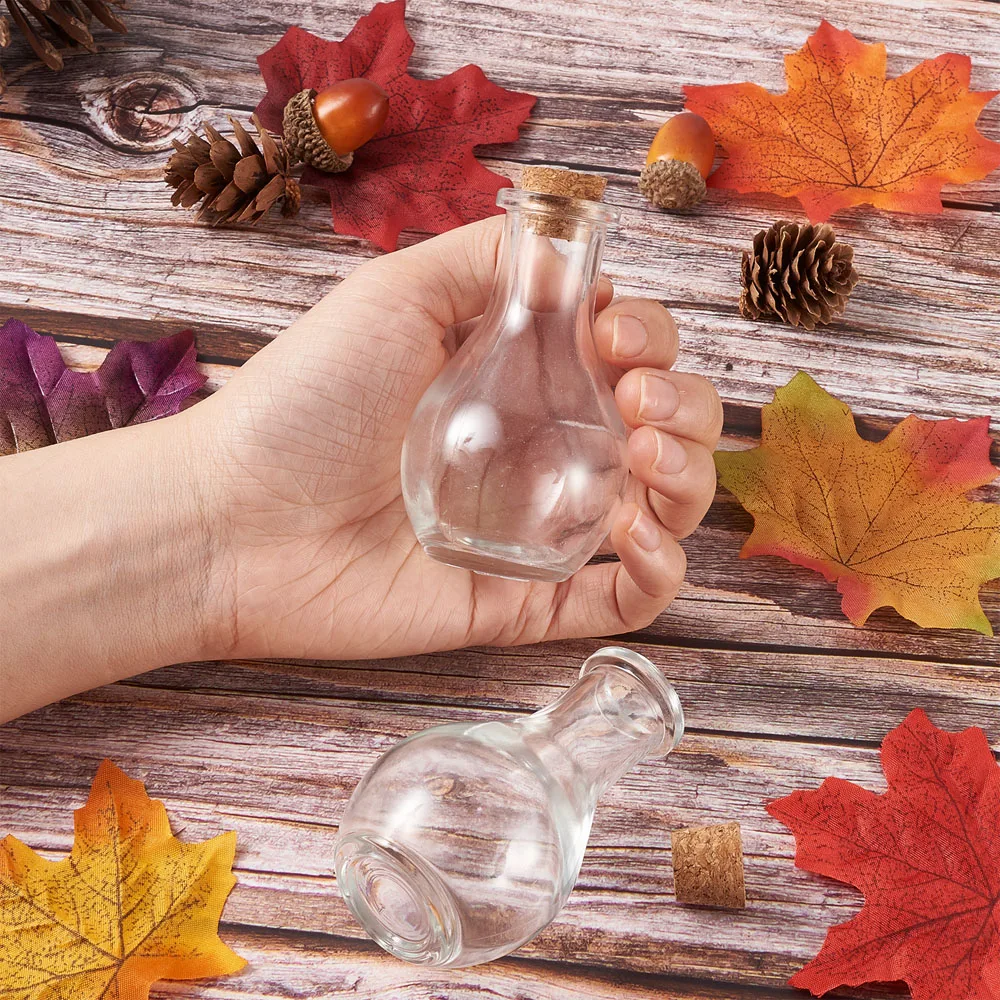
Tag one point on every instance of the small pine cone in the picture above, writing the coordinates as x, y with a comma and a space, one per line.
672, 184
797, 273
233, 184
55, 25
304, 140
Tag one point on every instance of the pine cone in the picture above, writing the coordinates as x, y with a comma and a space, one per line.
59, 24
233, 185
797, 273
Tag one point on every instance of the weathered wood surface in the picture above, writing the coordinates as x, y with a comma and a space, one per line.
312, 967
780, 689
277, 767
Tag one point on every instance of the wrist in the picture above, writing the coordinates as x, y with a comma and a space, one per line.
185, 531
106, 562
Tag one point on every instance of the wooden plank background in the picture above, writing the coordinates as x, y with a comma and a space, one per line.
780, 690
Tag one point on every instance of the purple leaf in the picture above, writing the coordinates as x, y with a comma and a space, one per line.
43, 402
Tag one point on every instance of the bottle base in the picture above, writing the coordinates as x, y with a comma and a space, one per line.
512, 562
400, 901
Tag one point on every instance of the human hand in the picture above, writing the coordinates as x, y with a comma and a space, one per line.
312, 554
268, 520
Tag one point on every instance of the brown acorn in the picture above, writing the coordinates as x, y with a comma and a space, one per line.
679, 161
324, 129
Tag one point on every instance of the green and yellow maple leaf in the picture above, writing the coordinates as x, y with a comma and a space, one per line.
130, 905
888, 520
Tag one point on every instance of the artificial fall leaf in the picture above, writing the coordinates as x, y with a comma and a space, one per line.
844, 135
43, 402
419, 172
926, 855
129, 906
887, 520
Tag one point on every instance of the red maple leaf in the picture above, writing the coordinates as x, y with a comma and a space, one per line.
419, 172
926, 855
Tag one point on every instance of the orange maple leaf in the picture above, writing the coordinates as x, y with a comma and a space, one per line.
844, 135
887, 520
130, 905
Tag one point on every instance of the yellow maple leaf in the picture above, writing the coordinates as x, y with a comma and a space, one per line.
843, 134
887, 520
130, 905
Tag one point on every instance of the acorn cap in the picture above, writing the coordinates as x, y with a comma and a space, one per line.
708, 866
674, 185
304, 140
562, 184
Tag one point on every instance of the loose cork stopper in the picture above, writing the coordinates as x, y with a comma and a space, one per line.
708, 866
564, 184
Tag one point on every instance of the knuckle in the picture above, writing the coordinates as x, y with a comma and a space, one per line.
644, 617
706, 406
705, 476
669, 338
715, 411
698, 478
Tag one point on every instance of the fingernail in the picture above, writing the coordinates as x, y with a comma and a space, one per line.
644, 533
658, 398
671, 456
628, 337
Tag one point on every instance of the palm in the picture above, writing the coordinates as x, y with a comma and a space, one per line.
320, 556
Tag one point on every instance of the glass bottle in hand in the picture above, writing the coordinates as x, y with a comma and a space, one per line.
515, 458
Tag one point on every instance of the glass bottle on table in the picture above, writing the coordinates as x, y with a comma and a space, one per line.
515, 459
463, 842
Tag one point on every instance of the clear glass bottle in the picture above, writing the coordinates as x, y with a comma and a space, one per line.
515, 458
463, 842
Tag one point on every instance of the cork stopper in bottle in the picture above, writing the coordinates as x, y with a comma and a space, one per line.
708, 866
564, 184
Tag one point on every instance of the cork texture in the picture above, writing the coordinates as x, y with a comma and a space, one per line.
564, 184
708, 866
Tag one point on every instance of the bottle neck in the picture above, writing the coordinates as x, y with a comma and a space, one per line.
549, 262
620, 712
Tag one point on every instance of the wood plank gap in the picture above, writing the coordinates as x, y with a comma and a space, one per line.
211, 341
730, 311
733, 991
972, 206
820, 741
329, 665
743, 420
411, 701
727, 645
205, 359
354, 699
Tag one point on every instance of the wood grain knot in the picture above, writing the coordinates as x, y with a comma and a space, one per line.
140, 111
